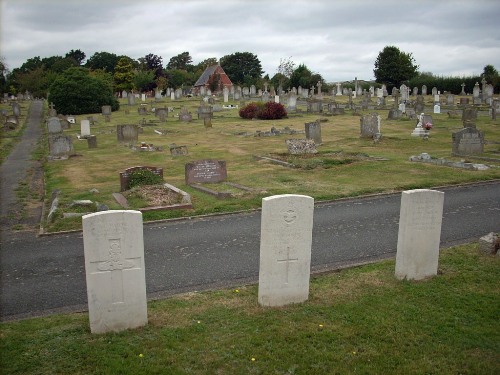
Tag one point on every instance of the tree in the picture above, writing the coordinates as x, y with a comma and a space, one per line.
205, 64
152, 63
178, 78
181, 62
303, 77
394, 67
242, 67
102, 60
124, 75
3, 75
76, 55
36, 81
491, 75
285, 71
76, 92
144, 80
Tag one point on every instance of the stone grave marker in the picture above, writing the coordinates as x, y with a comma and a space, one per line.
125, 175
370, 125
54, 125
285, 249
420, 219
162, 113
131, 98
450, 99
301, 146
16, 109
313, 131
314, 105
205, 171
60, 146
437, 108
468, 141
292, 103
185, 115
469, 117
65, 124
115, 273
84, 128
205, 111
424, 90
127, 133
92, 141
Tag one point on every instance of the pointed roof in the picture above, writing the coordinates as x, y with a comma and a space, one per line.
205, 76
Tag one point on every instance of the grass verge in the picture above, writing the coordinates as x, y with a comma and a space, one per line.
358, 320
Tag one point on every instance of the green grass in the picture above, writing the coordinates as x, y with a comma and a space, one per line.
359, 320
324, 177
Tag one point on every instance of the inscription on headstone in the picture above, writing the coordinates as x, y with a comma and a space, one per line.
203, 171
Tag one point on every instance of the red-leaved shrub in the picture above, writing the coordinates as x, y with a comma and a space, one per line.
267, 111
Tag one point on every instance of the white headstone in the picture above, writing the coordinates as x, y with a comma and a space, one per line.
143, 97
226, 94
285, 249
276, 98
437, 108
114, 265
172, 95
419, 234
84, 128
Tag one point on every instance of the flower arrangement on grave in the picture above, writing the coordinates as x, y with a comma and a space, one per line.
427, 126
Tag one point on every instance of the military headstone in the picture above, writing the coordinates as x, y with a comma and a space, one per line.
285, 249
115, 273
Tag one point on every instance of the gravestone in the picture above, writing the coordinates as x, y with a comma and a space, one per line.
54, 125
285, 249
301, 146
125, 175
450, 99
313, 131
106, 110
469, 117
370, 125
437, 108
420, 219
52, 110
205, 171
60, 146
65, 124
476, 98
314, 105
92, 141
424, 90
131, 98
419, 104
434, 91
495, 109
292, 103
143, 97
468, 141
225, 92
394, 114
162, 113
84, 128
185, 115
114, 266
207, 122
16, 109
463, 89
205, 111
127, 133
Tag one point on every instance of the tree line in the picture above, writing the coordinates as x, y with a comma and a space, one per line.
392, 67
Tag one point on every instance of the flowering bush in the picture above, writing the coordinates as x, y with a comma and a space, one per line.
267, 111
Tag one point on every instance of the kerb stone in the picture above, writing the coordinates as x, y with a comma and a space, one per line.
285, 249
114, 266
420, 219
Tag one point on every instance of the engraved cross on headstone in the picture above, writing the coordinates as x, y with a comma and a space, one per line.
115, 265
287, 262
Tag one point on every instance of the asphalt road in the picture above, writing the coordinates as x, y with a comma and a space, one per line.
43, 275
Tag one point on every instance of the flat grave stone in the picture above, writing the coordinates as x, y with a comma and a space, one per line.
203, 171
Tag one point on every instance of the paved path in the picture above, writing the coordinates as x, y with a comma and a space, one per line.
46, 274
18, 166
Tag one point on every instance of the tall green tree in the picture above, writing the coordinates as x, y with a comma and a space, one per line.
181, 62
304, 77
144, 80
152, 63
124, 75
491, 75
76, 91
242, 67
394, 67
102, 60
76, 55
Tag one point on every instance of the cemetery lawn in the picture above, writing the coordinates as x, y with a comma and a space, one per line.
345, 166
357, 320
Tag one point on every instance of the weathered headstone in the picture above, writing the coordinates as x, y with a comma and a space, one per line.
424, 90
313, 131
468, 141
60, 146
178, 150
131, 98
203, 171
84, 128
185, 115
285, 249
54, 125
420, 219
92, 141
301, 146
127, 133
469, 117
370, 125
114, 266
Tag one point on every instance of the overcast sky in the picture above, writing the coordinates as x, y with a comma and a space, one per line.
338, 39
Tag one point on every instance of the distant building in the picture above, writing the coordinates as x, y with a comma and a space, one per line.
213, 77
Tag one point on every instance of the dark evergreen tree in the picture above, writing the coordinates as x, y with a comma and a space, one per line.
394, 67
242, 68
